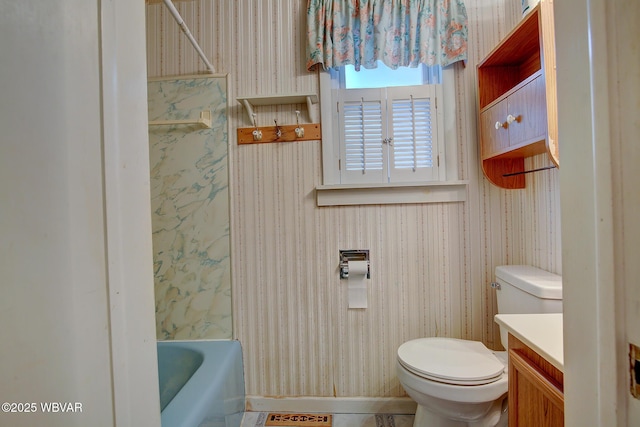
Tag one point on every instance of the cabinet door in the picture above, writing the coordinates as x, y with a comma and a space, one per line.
528, 106
535, 400
494, 140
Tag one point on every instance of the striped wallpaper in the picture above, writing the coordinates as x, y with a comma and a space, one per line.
431, 264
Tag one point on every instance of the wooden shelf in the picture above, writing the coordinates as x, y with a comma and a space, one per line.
515, 59
517, 99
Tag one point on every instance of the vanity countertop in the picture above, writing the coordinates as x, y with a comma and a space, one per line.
541, 332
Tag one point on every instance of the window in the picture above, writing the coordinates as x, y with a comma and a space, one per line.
385, 126
389, 135
384, 76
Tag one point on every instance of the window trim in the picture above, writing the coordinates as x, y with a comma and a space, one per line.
451, 189
405, 192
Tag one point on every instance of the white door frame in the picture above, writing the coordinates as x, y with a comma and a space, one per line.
595, 336
128, 213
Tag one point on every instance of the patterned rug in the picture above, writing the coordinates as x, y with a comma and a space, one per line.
298, 420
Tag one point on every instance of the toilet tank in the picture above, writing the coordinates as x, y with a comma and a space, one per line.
527, 289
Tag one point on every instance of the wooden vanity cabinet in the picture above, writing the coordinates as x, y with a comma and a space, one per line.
517, 99
536, 392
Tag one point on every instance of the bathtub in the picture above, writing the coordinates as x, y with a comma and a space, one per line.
201, 383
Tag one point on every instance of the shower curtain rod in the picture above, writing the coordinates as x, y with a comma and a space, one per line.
185, 30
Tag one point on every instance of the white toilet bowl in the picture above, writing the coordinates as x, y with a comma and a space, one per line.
456, 383
459, 383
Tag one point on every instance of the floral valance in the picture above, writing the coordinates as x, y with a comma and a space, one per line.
397, 32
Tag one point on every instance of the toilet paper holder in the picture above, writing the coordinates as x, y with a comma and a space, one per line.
347, 255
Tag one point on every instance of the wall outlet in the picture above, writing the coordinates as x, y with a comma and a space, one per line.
634, 370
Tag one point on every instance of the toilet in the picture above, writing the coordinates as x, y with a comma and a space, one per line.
461, 383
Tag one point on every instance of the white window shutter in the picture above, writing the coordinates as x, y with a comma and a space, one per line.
416, 149
363, 152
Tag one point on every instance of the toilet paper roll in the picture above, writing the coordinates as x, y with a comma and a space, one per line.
357, 284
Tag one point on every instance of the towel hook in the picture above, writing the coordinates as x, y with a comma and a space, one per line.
278, 130
298, 130
257, 133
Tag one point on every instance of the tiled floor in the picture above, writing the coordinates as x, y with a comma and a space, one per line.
257, 419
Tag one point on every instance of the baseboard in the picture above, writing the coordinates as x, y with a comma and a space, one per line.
332, 405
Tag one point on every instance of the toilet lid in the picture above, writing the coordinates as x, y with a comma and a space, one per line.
451, 361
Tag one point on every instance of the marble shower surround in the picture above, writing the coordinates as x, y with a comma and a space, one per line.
190, 209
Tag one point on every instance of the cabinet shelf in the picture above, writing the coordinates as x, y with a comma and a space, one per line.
517, 99
283, 99
515, 59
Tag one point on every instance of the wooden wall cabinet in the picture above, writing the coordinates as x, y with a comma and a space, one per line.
517, 99
536, 391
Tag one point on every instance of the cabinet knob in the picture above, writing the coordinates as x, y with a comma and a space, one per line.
511, 119
500, 125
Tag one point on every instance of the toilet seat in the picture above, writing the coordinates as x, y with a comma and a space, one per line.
451, 361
